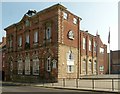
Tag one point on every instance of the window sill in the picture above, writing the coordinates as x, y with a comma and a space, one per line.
20, 73
35, 74
48, 70
27, 74
19, 47
35, 43
70, 72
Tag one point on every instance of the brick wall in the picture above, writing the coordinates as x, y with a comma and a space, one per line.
60, 44
115, 59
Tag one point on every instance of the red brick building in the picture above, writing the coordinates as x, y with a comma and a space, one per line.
50, 45
115, 62
2, 56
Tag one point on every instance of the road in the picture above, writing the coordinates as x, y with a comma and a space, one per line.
42, 90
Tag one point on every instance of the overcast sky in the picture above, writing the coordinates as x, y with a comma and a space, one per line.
96, 16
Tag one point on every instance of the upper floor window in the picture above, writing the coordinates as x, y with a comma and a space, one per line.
84, 43
3, 63
27, 23
65, 15
70, 56
10, 42
101, 50
20, 27
48, 33
90, 46
27, 38
36, 36
94, 46
71, 35
3, 54
74, 20
20, 41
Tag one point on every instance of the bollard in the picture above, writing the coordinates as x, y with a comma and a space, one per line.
52, 83
63, 82
112, 84
93, 84
76, 83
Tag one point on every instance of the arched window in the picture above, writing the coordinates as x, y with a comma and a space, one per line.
27, 23
20, 41
27, 66
48, 33
11, 66
35, 36
90, 65
48, 64
54, 63
84, 64
95, 65
36, 66
20, 66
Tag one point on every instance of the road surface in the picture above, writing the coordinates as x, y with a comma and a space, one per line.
42, 90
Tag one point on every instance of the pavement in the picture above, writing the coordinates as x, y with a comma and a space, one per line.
54, 87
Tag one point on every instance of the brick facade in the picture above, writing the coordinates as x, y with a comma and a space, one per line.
115, 59
2, 56
59, 46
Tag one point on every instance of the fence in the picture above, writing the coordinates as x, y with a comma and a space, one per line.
103, 84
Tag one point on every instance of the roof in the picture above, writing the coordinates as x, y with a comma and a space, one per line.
116, 51
42, 11
87, 32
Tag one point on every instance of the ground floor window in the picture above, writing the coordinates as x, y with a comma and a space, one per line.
95, 65
48, 64
84, 65
90, 65
27, 66
101, 68
70, 68
54, 63
70, 62
20, 67
11, 66
35, 66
